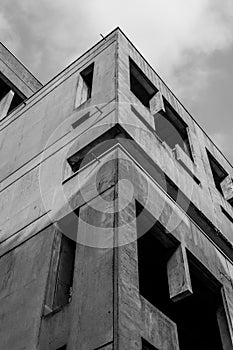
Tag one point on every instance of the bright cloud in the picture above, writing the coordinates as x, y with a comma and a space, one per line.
166, 31
8, 37
169, 31
178, 37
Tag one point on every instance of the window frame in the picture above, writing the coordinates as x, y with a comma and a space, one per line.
84, 85
213, 163
50, 305
137, 77
172, 116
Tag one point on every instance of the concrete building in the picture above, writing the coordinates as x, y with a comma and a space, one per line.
116, 211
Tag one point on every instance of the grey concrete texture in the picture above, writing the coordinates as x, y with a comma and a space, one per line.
38, 189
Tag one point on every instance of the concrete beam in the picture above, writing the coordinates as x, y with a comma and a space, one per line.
178, 275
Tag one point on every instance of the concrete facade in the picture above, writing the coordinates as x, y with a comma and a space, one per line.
85, 157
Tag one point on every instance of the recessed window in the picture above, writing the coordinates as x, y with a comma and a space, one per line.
60, 281
172, 129
65, 271
219, 174
84, 87
208, 331
89, 153
147, 346
13, 99
140, 85
93, 150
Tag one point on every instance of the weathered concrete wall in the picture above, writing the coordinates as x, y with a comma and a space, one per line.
39, 139
22, 288
133, 322
87, 321
204, 196
106, 310
35, 141
49, 115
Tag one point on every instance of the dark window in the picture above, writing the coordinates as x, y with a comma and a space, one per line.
172, 129
200, 317
87, 75
147, 346
17, 100
65, 270
219, 174
62, 347
230, 201
5, 88
94, 149
140, 85
84, 87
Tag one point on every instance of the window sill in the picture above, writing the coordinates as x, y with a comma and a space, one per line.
182, 158
49, 312
186, 162
76, 108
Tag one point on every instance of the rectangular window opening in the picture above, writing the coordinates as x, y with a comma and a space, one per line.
208, 331
62, 347
84, 87
219, 174
170, 128
140, 85
65, 271
5, 88
96, 148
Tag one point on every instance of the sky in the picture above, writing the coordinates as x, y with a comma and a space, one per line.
188, 42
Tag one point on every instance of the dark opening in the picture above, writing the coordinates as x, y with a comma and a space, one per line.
219, 174
140, 85
97, 147
64, 280
62, 347
195, 315
87, 75
172, 129
4, 89
230, 201
17, 100
90, 153
147, 346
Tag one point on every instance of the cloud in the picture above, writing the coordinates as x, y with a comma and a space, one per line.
168, 32
178, 37
7, 36
50, 33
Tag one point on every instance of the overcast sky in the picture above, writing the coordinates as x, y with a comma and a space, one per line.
188, 42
